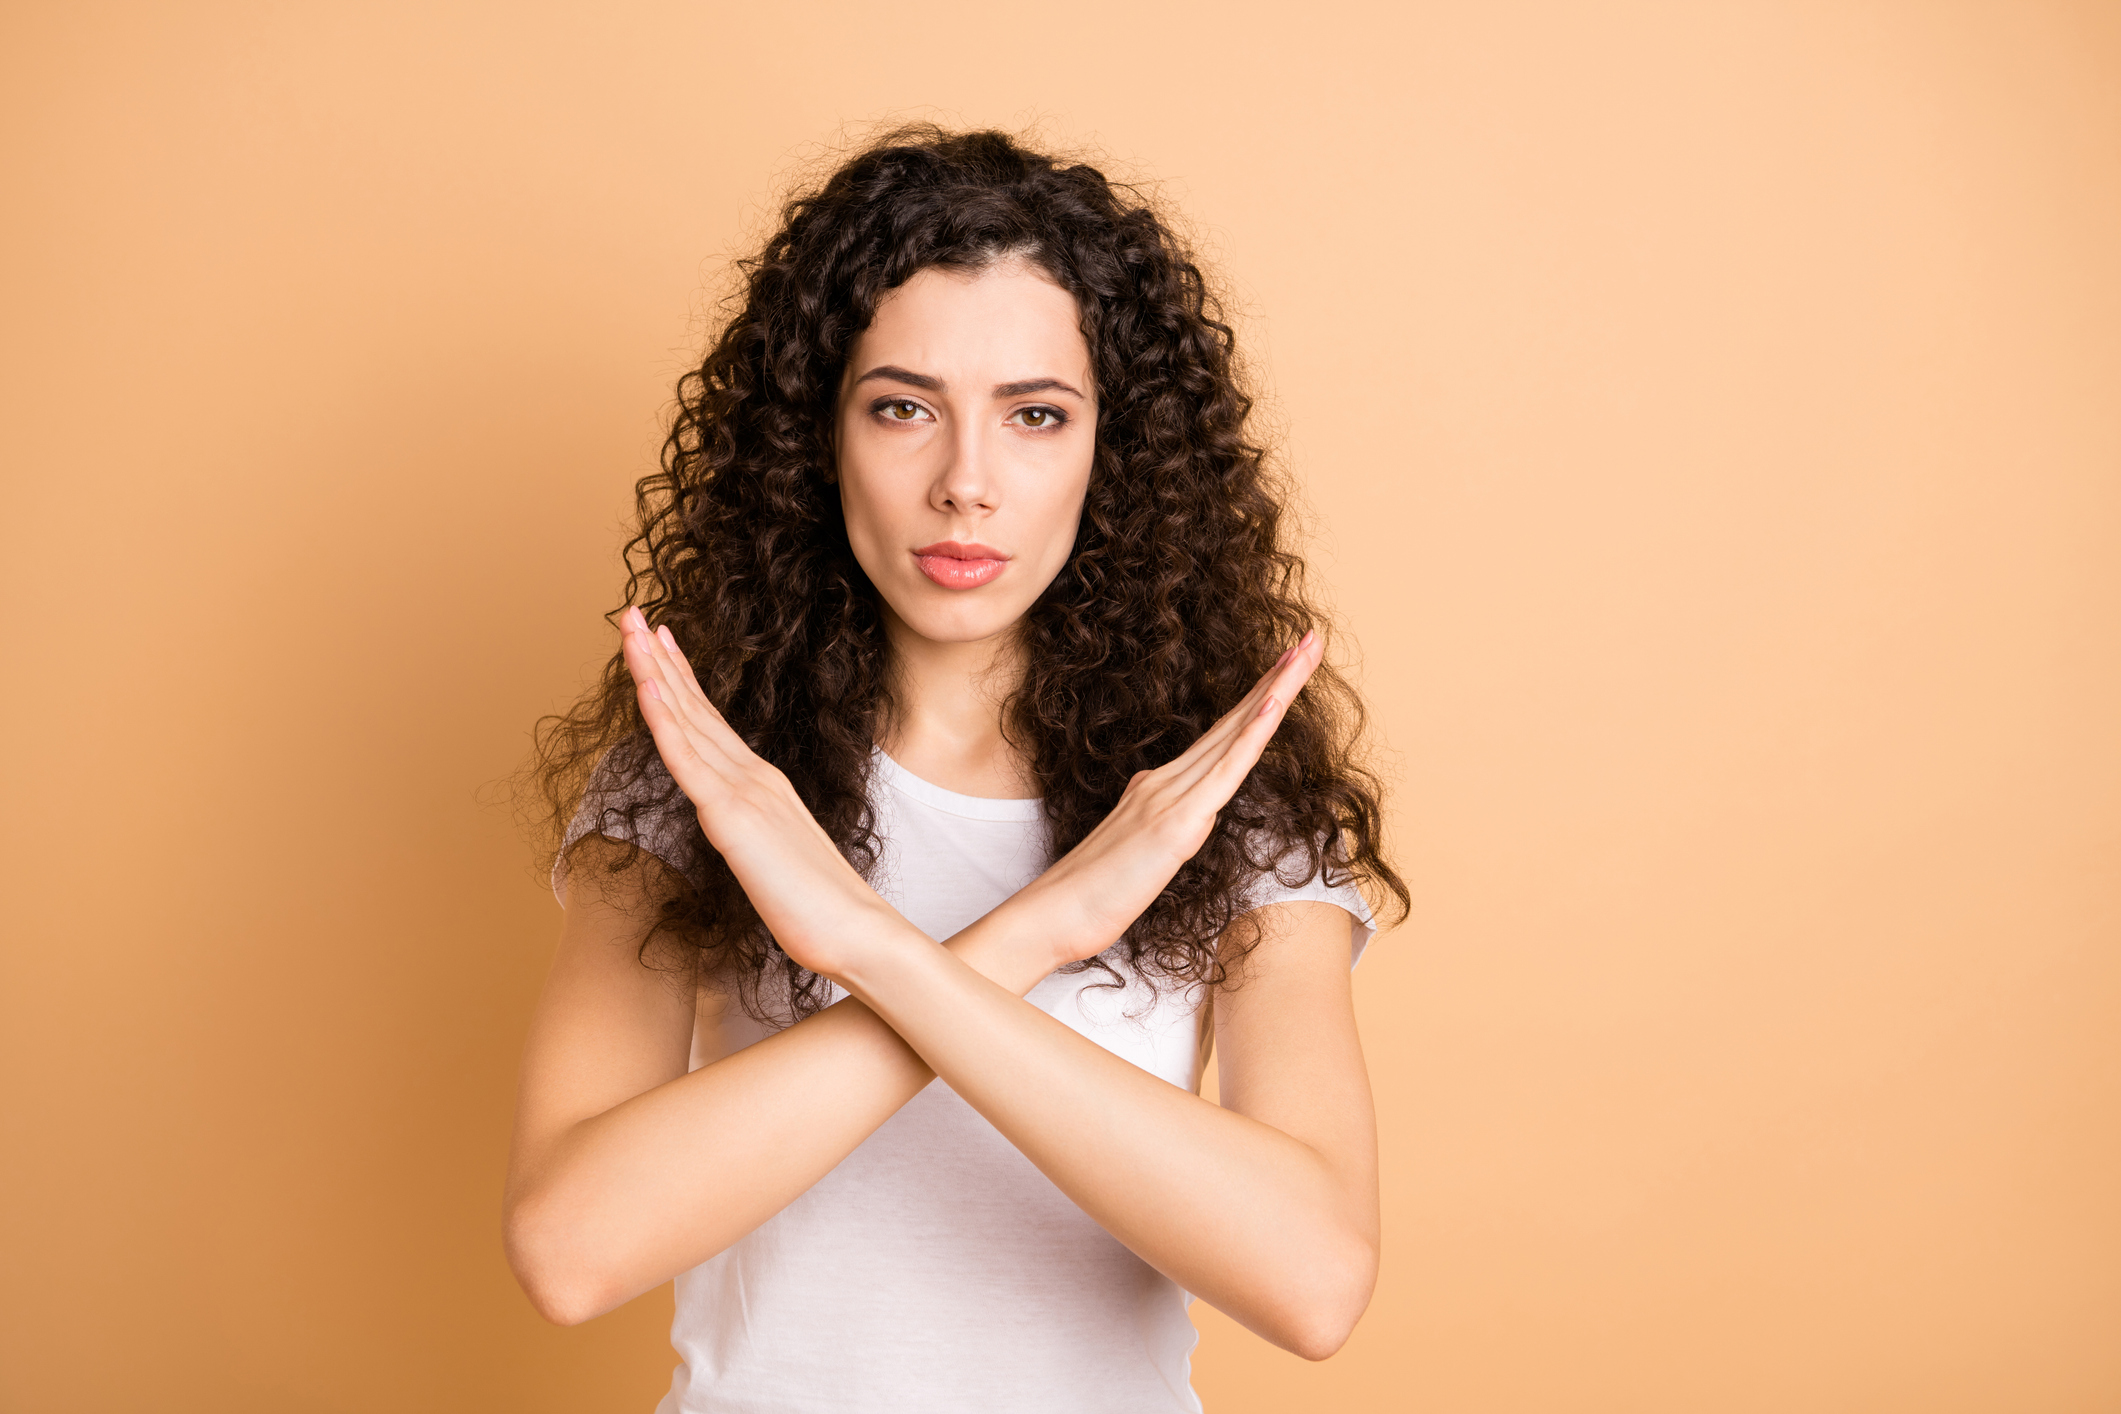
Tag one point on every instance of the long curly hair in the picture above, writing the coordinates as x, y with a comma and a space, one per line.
1180, 592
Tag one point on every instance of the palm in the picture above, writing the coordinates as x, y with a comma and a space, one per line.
807, 894
818, 908
1166, 815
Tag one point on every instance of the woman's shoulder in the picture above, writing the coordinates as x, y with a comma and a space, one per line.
631, 797
1298, 874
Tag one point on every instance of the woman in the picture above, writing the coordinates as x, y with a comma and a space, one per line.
977, 774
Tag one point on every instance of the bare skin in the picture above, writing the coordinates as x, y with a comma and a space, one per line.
628, 1169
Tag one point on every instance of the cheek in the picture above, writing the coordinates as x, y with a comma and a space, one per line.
1057, 517
1066, 506
868, 523
867, 491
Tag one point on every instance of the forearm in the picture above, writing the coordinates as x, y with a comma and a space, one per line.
1236, 1211
624, 1200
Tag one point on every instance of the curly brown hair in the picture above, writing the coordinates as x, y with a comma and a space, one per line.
1180, 592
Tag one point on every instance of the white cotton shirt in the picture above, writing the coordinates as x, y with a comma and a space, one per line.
935, 1270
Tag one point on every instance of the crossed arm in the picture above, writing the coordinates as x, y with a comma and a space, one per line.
627, 1169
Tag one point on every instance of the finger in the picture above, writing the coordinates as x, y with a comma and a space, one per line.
652, 677
1276, 680
1222, 778
681, 691
674, 744
682, 694
1218, 781
677, 672
646, 665
637, 647
1219, 772
1283, 681
683, 664
1211, 741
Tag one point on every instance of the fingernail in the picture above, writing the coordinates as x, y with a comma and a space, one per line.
1286, 655
1266, 707
1308, 636
669, 639
655, 692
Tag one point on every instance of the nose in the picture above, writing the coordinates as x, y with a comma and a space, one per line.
965, 484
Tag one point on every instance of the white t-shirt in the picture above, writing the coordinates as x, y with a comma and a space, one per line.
935, 1270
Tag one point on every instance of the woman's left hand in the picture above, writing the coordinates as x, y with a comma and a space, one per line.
1094, 893
817, 907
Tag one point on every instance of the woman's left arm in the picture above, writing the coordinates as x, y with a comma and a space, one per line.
1266, 1206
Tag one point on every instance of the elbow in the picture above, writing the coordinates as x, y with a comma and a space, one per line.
1333, 1298
547, 1265
559, 1307
559, 1302
1321, 1340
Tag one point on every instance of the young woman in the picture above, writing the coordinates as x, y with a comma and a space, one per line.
968, 770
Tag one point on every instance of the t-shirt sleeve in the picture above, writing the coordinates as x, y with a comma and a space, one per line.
1269, 888
667, 831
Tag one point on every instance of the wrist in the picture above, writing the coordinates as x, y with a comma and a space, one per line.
894, 949
1046, 926
1020, 941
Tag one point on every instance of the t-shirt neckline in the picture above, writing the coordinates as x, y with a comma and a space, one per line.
971, 807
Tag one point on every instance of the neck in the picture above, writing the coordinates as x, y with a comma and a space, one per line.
945, 725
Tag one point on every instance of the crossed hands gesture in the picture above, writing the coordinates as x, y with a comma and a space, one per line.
823, 914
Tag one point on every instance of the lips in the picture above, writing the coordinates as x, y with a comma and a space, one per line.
955, 565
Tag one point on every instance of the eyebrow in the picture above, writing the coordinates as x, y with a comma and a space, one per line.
1033, 385
894, 373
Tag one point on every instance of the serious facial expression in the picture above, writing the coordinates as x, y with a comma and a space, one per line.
964, 438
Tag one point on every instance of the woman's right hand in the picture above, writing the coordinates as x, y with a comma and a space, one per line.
811, 899
1093, 894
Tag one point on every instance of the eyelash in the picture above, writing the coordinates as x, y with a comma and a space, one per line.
1057, 418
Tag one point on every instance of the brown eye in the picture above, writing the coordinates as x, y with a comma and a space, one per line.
1036, 417
905, 412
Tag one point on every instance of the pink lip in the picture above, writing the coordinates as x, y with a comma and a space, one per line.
955, 565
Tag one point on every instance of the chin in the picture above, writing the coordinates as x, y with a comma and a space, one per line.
959, 621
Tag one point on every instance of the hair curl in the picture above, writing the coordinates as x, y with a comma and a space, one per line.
1179, 595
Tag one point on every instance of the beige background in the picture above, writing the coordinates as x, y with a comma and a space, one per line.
1712, 418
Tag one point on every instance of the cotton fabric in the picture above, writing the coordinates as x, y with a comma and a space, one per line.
935, 1270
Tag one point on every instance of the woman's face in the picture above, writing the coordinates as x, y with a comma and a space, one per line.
964, 436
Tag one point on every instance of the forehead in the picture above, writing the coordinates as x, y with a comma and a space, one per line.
1001, 324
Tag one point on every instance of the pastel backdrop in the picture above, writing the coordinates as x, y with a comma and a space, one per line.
1709, 418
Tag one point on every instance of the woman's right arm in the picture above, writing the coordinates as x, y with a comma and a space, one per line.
626, 1169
